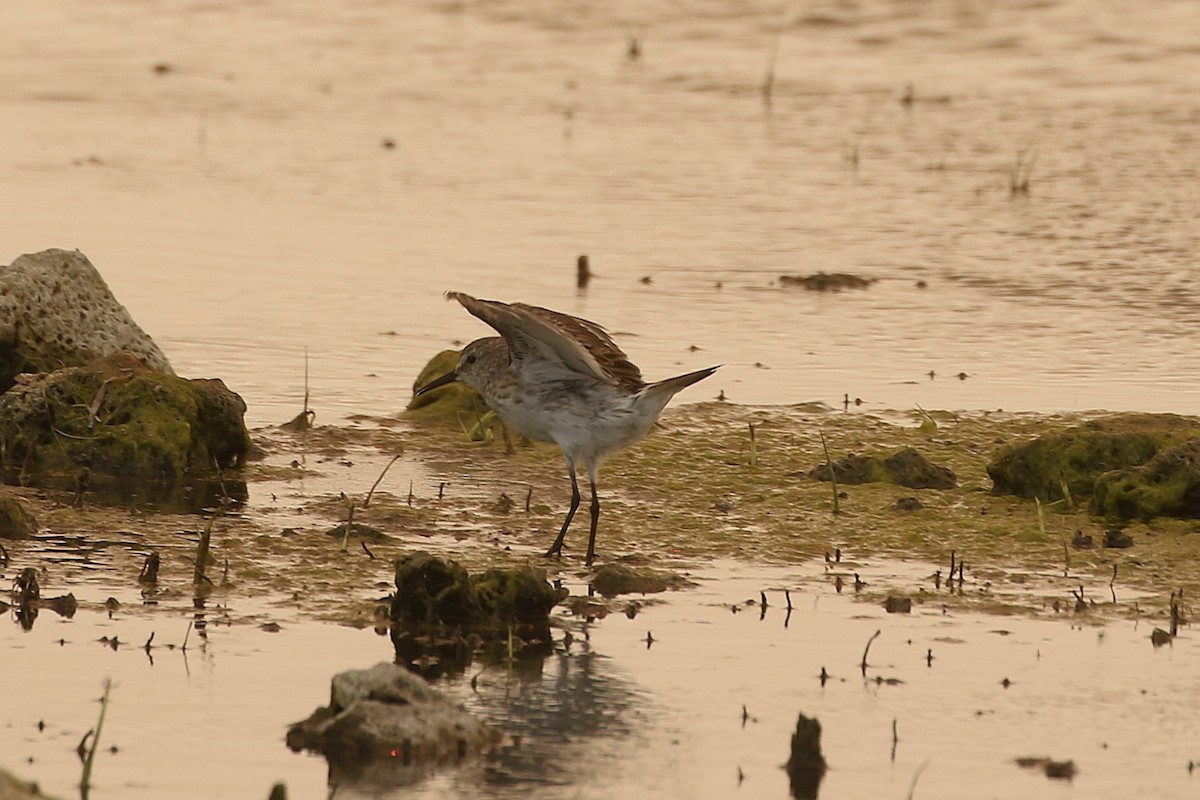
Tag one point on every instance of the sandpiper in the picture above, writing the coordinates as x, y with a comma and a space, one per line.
562, 379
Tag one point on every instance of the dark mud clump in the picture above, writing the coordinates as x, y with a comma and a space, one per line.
826, 281
434, 592
1065, 465
905, 467
611, 580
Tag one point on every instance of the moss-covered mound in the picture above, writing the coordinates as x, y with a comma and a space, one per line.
15, 521
116, 417
1168, 485
432, 592
905, 467
1076, 457
455, 402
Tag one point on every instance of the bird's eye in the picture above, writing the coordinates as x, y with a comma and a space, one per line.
470, 359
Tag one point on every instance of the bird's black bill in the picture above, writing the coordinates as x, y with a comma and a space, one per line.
449, 377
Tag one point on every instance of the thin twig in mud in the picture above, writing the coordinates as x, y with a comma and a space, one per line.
187, 634
832, 476
763, 598
85, 782
528, 499
349, 522
146, 646
895, 740
410, 493
367, 550
375, 485
198, 576
787, 595
866, 650
1110, 584
913, 786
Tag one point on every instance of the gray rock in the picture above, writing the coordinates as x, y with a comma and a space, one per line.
56, 311
388, 713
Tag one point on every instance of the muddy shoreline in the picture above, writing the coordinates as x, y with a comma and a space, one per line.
691, 493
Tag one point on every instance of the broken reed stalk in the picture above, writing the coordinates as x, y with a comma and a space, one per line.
375, 485
186, 635
866, 650
1066, 490
85, 781
832, 475
198, 576
304, 413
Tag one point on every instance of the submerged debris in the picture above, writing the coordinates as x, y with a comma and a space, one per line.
611, 580
806, 765
826, 281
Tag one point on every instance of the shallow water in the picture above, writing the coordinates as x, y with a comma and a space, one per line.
608, 716
243, 206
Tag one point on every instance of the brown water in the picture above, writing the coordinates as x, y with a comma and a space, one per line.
608, 716
242, 205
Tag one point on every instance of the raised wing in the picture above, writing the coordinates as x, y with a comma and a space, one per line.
553, 345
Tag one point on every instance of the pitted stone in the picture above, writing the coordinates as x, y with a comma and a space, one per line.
56, 311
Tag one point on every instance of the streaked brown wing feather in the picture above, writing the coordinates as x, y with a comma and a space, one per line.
595, 339
582, 347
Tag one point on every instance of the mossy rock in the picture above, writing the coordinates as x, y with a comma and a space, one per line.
118, 418
15, 521
1168, 485
454, 403
1080, 455
905, 467
432, 592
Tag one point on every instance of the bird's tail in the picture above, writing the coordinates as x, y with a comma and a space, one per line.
668, 388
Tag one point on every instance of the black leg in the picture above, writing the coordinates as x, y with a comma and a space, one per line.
556, 548
591, 554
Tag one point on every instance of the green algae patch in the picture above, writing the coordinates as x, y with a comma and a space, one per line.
15, 521
117, 418
1168, 485
455, 403
1059, 463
